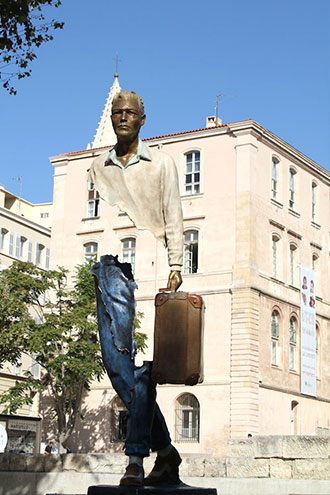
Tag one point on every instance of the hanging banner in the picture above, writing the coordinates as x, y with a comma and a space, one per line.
307, 331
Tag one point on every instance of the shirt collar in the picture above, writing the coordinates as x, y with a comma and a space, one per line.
142, 153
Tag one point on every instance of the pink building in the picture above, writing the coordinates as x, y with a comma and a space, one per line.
254, 209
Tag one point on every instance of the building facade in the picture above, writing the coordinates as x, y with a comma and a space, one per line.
255, 209
24, 235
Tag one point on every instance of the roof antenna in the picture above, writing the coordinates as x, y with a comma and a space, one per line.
219, 97
20, 180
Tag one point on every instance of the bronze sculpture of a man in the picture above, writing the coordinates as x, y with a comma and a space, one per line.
142, 182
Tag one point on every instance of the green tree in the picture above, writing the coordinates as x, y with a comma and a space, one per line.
23, 28
57, 326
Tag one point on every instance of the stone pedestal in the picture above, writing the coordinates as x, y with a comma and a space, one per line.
148, 490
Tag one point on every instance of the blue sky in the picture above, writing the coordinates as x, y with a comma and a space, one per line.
271, 56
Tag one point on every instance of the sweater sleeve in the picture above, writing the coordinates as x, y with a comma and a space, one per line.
172, 211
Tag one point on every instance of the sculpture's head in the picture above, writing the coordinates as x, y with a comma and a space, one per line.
127, 115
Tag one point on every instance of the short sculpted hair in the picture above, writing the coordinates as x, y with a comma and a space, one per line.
124, 94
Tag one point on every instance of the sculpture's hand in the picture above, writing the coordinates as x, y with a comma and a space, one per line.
174, 280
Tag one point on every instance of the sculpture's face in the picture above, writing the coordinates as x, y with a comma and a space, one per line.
126, 118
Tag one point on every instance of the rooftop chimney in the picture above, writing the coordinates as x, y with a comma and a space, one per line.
213, 121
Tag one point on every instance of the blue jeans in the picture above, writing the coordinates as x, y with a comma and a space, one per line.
114, 285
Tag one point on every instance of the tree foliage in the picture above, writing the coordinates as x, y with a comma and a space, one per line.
23, 29
44, 318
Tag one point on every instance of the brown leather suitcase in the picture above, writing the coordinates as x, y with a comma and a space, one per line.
178, 338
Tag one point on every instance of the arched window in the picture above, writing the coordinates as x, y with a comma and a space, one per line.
187, 415
91, 251
192, 175
128, 252
314, 186
275, 255
93, 201
292, 188
275, 335
293, 263
119, 420
275, 163
293, 344
190, 254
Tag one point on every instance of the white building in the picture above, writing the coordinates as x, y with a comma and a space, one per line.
24, 235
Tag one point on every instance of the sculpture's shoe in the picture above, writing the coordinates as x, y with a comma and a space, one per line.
165, 470
133, 476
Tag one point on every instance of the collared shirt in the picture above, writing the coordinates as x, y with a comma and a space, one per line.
142, 152
147, 190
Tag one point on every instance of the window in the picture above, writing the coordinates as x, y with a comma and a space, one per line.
292, 188
313, 201
11, 244
119, 420
91, 251
128, 252
16, 368
275, 178
275, 335
190, 255
39, 254
275, 255
315, 260
3, 233
293, 344
293, 252
192, 176
93, 201
318, 351
294, 413
35, 367
47, 258
187, 418
19, 246
317, 278
30, 246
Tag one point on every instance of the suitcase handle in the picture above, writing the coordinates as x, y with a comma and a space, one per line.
165, 289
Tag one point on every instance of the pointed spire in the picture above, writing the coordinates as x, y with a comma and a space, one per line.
105, 135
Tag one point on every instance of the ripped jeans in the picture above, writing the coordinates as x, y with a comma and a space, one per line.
114, 285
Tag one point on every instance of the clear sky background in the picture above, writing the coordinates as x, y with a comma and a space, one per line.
270, 56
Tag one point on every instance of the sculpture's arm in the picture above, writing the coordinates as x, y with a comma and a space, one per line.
172, 211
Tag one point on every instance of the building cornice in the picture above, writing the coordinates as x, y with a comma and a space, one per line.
24, 221
293, 392
233, 129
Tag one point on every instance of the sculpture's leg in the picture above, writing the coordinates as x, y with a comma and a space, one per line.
116, 310
147, 425
160, 437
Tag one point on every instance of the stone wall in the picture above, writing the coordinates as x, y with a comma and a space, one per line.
259, 457
284, 457
272, 458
